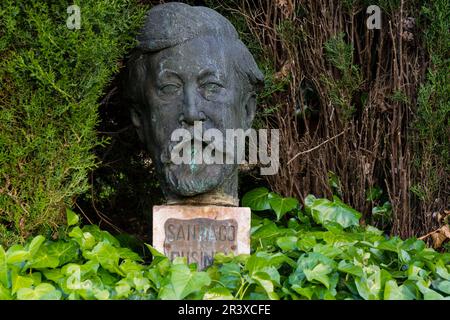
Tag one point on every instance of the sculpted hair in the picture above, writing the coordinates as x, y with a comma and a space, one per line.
171, 24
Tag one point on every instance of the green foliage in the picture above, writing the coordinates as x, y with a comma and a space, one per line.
182, 281
335, 183
88, 263
381, 207
273, 85
324, 211
325, 254
374, 193
261, 199
51, 79
340, 55
318, 253
431, 128
289, 32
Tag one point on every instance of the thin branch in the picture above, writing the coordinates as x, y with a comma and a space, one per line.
79, 208
316, 147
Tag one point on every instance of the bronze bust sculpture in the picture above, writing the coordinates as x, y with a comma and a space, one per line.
190, 67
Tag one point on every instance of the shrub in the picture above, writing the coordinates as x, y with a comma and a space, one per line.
319, 252
431, 126
51, 79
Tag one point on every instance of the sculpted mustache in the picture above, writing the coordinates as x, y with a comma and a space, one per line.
219, 148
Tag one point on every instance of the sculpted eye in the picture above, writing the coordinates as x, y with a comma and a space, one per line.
211, 89
169, 89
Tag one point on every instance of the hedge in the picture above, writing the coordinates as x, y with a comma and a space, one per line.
51, 80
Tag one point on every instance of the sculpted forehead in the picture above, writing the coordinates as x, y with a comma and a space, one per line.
194, 56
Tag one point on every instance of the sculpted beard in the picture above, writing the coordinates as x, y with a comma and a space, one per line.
188, 179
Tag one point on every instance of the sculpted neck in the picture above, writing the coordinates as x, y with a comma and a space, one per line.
225, 195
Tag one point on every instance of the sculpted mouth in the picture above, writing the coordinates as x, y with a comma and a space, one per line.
199, 153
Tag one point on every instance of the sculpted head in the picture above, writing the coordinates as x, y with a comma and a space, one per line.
190, 67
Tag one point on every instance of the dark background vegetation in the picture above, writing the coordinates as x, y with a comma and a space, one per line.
363, 114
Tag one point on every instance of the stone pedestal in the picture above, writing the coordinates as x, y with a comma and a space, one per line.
199, 232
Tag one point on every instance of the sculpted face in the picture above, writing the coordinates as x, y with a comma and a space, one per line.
193, 81
190, 70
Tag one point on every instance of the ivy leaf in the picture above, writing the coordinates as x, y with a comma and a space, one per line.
287, 243
374, 193
157, 256
85, 239
323, 211
4, 293
441, 270
183, 282
110, 279
444, 286
350, 268
266, 235
66, 251
72, 217
19, 282
257, 199
130, 266
382, 211
100, 235
309, 201
101, 294
3, 268
273, 274
416, 273
404, 256
35, 245
428, 294
16, 254
230, 275
369, 286
155, 277
218, 293
282, 205
43, 259
327, 250
126, 253
54, 275
261, 261
53, 254
303, 291
392, 244
106, 255
44, 291
140, 283
258, 296
393, 292
306, 242
122, 289
265, 281
310, 260
319, 273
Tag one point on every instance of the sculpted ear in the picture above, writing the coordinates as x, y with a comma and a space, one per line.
137, 122
250, 109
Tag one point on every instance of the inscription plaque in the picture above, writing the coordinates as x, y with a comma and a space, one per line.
199, 239
198, 233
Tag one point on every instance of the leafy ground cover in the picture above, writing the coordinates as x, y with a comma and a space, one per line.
316, 252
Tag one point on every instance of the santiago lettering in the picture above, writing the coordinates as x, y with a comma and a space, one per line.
200, 232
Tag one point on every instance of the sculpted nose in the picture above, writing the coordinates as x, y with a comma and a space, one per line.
191, 111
